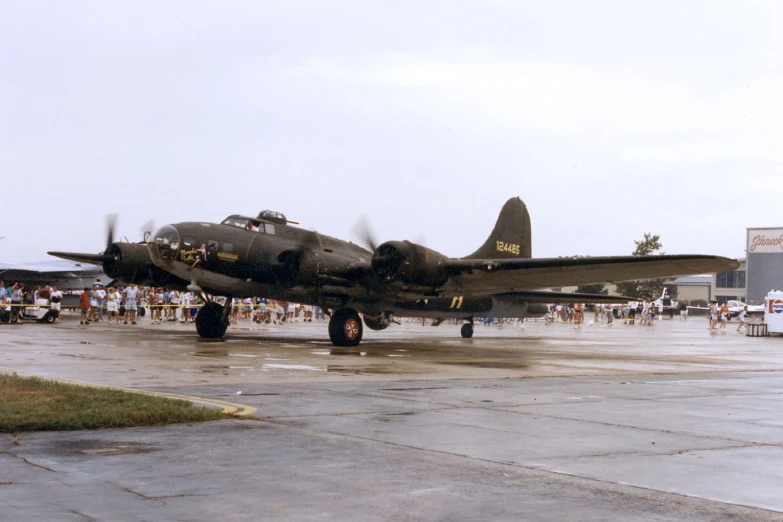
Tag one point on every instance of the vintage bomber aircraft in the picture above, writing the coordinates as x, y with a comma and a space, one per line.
267, 256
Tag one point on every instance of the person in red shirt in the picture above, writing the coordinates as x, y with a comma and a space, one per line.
84, 304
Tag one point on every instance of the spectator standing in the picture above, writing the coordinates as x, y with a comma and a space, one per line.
683, 310
113, 305
174, 300
131, 303
17, 292
85, 303
57, 297
186, 299
101, 294
159, 302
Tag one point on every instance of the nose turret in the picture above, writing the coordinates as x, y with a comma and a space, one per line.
163, 245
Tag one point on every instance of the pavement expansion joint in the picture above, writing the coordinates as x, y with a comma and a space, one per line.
88, 518
518, 465
26, 461
626, 426
136, 493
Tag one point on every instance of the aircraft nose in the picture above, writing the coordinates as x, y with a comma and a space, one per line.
164, 244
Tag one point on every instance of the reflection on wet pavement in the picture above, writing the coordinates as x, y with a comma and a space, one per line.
173, 353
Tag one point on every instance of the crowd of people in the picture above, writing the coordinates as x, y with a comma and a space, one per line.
122, 305
644, 312
15, 297
115, 305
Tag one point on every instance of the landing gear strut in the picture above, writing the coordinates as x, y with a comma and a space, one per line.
345, 327
467, 330
212, 320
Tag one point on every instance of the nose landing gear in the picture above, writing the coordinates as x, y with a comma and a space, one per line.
212, 320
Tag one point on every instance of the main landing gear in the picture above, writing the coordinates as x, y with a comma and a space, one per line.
345, 327
212, 320
467, 330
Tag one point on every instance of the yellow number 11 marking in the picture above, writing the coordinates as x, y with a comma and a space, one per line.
456, 302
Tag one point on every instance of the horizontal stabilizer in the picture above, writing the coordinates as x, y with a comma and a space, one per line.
95, 259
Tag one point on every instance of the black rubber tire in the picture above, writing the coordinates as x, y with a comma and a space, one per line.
345, 328
50, 317
466, 331
141, 312
209, 322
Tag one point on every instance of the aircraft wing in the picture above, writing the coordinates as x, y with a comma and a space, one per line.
509, 275
547, 297
49, 271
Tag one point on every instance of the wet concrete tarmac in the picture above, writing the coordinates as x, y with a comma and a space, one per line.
541, 423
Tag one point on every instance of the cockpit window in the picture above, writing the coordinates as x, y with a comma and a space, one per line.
241, 223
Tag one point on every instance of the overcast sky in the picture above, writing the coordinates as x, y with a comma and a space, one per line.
608, 118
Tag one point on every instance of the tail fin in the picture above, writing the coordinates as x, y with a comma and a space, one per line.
511, 236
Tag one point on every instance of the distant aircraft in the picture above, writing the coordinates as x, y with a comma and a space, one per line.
67, 275
266, 256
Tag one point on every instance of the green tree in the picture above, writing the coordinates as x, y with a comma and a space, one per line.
650, 288
651, 244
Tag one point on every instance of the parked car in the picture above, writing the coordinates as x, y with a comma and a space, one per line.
735, 307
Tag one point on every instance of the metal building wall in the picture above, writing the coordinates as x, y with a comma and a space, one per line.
764, 263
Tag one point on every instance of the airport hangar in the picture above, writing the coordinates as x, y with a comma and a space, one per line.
760, 272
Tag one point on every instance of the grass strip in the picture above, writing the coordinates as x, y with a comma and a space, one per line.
35, 404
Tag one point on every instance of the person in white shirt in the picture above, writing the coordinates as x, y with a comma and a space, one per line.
186, 298
131, 303
101, 297
113, 305
174, 301
742, 316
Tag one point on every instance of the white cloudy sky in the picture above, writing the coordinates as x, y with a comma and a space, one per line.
608, 118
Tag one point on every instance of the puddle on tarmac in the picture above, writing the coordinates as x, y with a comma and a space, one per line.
370, 370
347, 352
416, 389
215, 369
210, 353
304, 367
489, 364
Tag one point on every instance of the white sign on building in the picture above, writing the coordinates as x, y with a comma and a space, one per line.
765, 240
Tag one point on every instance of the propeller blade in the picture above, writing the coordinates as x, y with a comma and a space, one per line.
111, 222
93, 259
363, 232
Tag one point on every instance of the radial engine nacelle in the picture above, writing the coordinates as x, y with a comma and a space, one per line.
409, 263
131, 263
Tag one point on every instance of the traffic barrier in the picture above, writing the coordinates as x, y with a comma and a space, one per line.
756, 330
